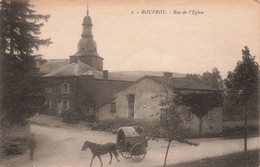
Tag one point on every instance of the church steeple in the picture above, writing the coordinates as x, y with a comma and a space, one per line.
87, 45
87, 48
87, 25
87, 9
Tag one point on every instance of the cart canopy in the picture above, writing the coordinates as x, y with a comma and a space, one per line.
128, 132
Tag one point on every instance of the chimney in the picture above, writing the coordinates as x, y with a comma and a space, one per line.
167, 74
105, 74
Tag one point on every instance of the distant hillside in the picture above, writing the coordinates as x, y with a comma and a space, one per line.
139, 74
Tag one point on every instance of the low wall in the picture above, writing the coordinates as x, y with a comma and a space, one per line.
121, 122
233, 124
236, 128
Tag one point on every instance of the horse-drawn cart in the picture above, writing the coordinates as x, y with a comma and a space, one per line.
132, 143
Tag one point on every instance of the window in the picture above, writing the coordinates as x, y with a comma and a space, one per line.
90, 111
131, 105
48, 90
163, 115
131, 100
189, 113
113, 107
65, 105
65, 88
48, 103
131, 111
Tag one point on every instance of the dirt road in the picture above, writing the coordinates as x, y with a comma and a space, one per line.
61, 147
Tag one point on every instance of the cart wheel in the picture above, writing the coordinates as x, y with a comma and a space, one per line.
138, 152
126, 155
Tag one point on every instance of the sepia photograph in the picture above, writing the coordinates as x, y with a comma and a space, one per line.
129, 83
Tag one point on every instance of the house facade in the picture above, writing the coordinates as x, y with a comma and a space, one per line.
60, 94
132, 102
141, 101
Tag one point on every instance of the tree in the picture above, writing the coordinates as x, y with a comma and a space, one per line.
21, 82
242, 86
195, 77
212, 79
172, 123
200, 103
4, 127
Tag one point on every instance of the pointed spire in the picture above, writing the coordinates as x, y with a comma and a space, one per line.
87, 9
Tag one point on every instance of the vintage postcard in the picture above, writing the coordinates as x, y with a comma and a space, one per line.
131, 83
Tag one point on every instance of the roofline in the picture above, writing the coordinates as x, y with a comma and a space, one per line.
148, 77
134, 82
77, 66
113, 80
87, 56
101, 105
215, 90
61, 76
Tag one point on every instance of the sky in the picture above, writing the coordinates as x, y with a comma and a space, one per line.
184, 43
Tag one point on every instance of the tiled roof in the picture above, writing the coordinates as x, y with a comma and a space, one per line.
53, 64
112, 76
72, 69
105, 92
181, 83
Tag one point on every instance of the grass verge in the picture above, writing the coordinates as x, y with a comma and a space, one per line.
231, 160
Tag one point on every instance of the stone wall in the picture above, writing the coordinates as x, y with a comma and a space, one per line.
147, 98
86, 96
241, 123
148, 95
95, 92
105, 114
210, 125
93, 61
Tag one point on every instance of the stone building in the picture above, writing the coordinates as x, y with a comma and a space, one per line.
81, 85
141, 102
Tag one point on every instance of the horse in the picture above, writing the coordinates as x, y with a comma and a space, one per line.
100, 149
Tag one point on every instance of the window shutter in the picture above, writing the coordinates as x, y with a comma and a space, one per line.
50, 104
68, 88
68, 105
131, 100
113, 107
